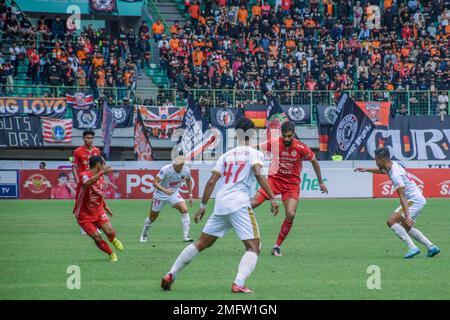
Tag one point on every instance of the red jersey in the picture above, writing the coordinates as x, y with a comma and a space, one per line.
81, 158
288, 165
89, 199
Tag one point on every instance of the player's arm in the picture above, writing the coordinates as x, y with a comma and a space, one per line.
161, 188
88, 181
189, 187
209, 188
371, 170
107, 209
404, 204
75, 163
257, 171
316, 167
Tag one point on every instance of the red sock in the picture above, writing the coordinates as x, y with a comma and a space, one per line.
102, 245
112, 236
285, 228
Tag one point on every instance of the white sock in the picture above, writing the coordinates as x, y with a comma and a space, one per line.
147, 225
186, 256
403, 235
185, 223
246, 267
419, 236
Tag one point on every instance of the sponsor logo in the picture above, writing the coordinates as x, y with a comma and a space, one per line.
346, 131
294, 153
296, 113
225, 118
87, 119
330, 114
174, 184
119, 114
37, 183
388, 189
445, 188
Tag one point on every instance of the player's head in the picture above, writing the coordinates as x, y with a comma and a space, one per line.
245, 130
288, 132
96, 162
63, 178
88, 137
178, 163
382, 157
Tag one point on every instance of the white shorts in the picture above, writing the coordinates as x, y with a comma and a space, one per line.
243, 221
414, 209
158, 203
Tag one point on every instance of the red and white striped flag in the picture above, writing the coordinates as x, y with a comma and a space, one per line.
57, 130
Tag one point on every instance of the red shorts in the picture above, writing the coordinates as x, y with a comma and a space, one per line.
91, 224
288, 191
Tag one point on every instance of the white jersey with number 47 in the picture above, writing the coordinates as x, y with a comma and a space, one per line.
236, 170
400, 179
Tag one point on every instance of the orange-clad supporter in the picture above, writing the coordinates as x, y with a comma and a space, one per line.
101, 80
198, 57
98, 60
243, 15
194, 11
256, 9
174, 29
328, 5
290, 44
158, 27
309, 23
174, 43
289, 23
273, 49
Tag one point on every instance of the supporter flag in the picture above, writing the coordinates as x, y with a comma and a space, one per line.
275, 116
86, 118
377, 111
108, 125
299, 114
350, 131
160, 122
79, 100
257, 113
326, 116
57, 130
222, 119
198, 135
142, 147
103, 6
123, 116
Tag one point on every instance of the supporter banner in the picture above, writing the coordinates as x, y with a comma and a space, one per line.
80, 100
434, 183
119, 184
123, 116
257, 113
223, 118
20, 132
326, 114
377, 111
42, 107
108, 125
142, 147
299, 114
412, 138
275, 116
103, 6
160, 122
9, 184
57, 130
350, 130
86, 118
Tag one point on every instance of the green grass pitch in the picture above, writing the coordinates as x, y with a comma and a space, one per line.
326, 255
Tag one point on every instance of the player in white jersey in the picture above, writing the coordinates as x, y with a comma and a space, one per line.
167, 184
235, 170
404, 218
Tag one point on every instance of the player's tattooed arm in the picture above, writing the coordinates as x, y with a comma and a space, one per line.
161, 188
108, 210
189, 187
316, 167
371, 170
257, 170
405, 207
209, 188
88, 181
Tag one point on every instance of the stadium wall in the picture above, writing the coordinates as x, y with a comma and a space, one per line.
134, 179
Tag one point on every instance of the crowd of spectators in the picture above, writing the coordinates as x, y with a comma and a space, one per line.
57, 56
310, 45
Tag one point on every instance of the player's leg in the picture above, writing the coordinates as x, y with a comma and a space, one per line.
416, 234
185, 219
215, 227
247, 230
91, 230
290, 209
157, 205
394, 222
111, 234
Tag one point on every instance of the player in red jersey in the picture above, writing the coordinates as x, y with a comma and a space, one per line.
91, 209
288, 154
81, 156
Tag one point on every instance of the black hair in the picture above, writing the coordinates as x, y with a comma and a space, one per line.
245, 124
383, 153
63, 175
88, 131
288, 126
94, 160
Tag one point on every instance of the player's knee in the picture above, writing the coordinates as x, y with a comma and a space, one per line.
96, 237
390, 222
290, 216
